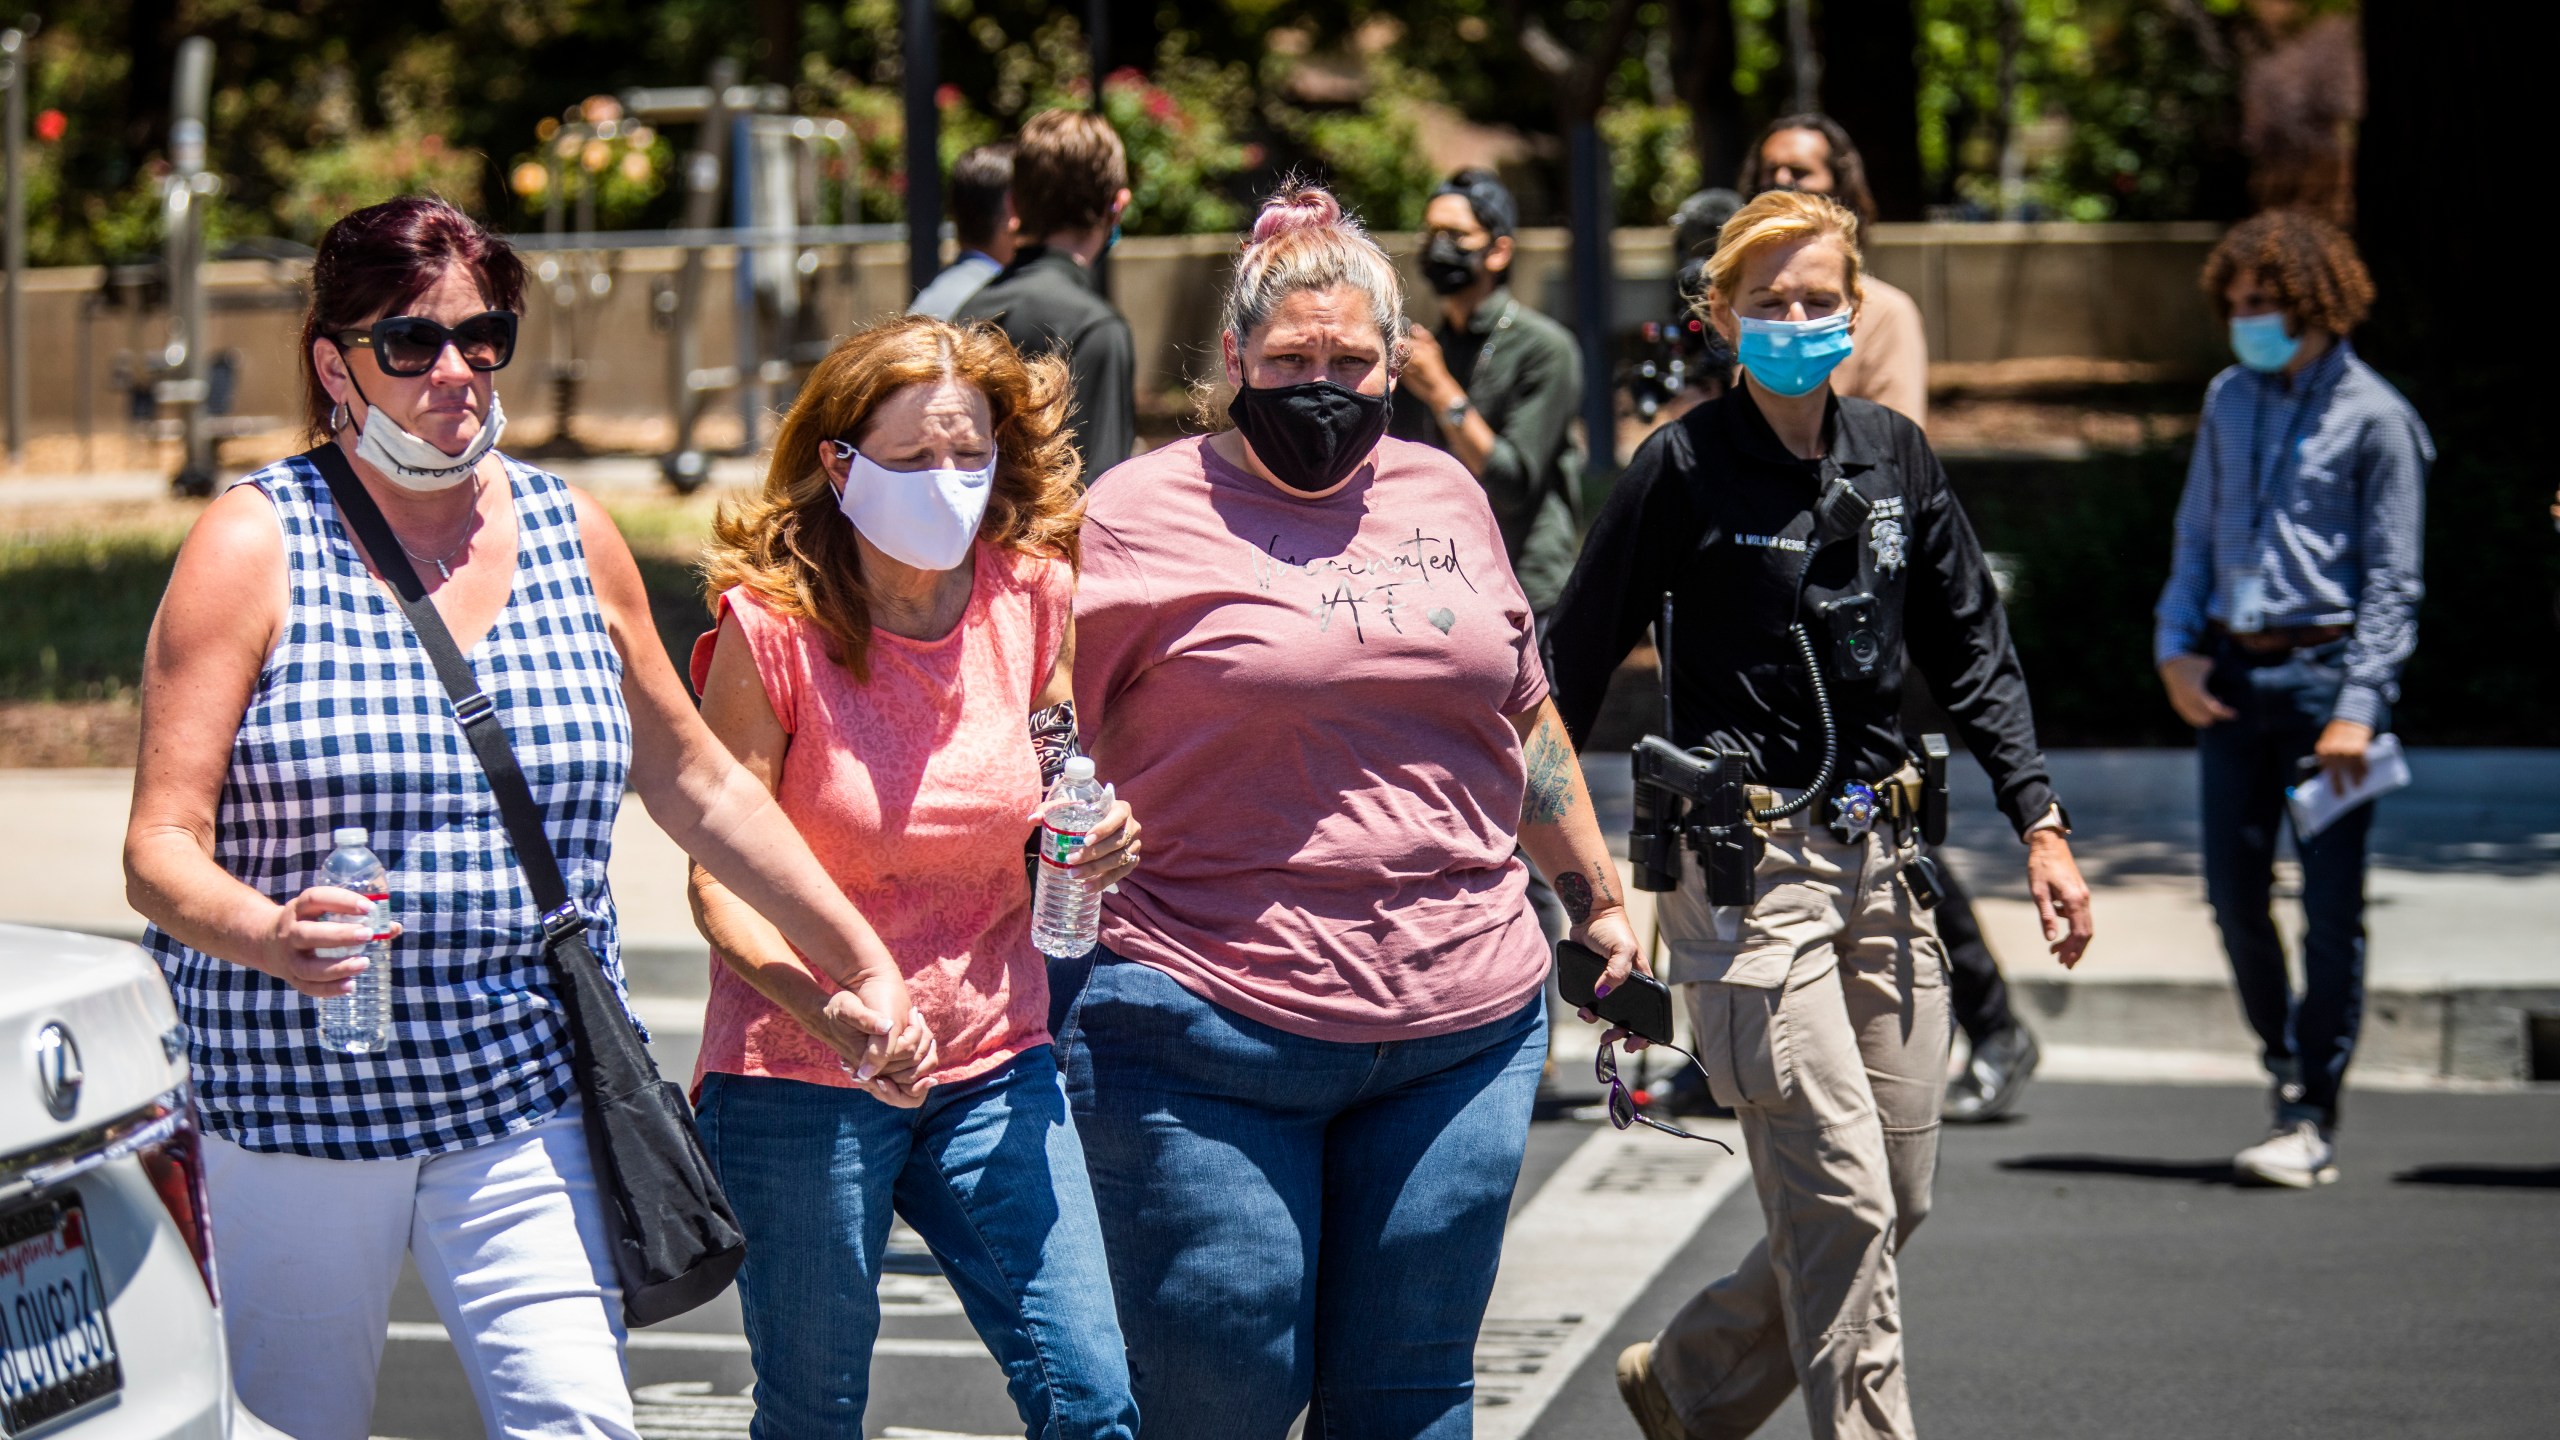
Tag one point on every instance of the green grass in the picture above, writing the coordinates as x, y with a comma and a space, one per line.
76, 606
75, 609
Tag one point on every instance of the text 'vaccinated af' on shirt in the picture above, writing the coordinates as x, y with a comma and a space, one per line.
1304, 702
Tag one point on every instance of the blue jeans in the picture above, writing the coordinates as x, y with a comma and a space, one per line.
990, 1175
2246, 763
1293, 1222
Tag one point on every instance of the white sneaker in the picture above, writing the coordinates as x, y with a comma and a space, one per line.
2299, 1155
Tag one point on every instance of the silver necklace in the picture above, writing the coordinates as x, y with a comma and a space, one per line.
440, 562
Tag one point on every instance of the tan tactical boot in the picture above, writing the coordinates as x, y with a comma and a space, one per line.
1645, 1397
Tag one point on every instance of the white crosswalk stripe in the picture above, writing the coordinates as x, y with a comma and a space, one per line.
1584, 1247
1581, 1251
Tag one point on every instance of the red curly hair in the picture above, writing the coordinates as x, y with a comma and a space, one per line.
789, 541
2308, 265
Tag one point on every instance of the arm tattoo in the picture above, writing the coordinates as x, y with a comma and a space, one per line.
1575, 894
1580, 895
1053, 739
1551, 777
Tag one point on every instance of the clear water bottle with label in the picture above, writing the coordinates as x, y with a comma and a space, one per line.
1066, 913
359, 1023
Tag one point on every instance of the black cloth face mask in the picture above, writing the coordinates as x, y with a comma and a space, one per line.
1310, 436
1449, 266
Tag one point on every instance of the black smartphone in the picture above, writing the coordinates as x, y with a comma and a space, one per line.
1641, 1003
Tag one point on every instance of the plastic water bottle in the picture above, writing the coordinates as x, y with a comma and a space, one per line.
1066, 913
359, 1023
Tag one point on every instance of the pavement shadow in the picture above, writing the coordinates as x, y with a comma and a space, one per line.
2494, 1177
2195, 1172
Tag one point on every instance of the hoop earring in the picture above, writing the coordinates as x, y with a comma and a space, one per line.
338, 416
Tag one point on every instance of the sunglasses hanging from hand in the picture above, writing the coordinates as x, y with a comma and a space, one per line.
409, 345
1623, 1110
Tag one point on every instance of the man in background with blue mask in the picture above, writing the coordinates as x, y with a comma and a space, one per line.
2292, 605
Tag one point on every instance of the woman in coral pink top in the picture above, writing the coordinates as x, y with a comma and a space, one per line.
1304, 1062
894, 637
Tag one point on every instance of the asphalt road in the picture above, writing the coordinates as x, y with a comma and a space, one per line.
2089, 1271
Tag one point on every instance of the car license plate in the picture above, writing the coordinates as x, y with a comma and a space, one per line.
56, 1353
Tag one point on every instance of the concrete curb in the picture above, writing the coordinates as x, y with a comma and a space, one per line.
2456, 1032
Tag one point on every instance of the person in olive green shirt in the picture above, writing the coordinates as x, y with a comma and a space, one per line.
1496, 384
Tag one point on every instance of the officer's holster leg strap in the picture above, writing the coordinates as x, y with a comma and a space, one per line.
1836, 1072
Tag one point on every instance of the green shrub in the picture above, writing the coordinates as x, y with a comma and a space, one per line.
1653, 160
2089, 540
79, 608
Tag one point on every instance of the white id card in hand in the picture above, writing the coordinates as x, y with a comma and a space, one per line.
2317, 806
2248, 609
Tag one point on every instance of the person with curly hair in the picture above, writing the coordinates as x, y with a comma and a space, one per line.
2291, 606
892, 660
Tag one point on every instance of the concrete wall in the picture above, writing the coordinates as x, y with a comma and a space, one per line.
1990, 292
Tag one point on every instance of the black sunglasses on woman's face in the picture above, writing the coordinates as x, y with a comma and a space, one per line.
407, 345
1622, 1102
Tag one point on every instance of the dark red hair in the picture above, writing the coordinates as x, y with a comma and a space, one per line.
378, 259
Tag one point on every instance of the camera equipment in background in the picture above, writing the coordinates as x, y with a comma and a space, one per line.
1676, 353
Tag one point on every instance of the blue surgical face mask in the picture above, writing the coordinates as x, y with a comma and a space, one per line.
2261, 342
1792, 357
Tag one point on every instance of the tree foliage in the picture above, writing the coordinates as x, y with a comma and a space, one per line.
2129, 108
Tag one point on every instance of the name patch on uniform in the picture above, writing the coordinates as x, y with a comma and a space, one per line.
1773, 542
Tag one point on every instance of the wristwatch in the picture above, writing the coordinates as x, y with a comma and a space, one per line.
1454, 414
2054, 818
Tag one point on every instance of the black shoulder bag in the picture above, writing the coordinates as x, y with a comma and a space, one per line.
676, 1242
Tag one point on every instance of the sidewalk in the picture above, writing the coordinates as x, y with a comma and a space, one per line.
609, 476
2465, 913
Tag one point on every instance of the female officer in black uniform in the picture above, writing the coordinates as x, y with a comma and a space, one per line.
1788, 523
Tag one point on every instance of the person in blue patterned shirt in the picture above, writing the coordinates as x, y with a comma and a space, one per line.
285, 695
2291, 606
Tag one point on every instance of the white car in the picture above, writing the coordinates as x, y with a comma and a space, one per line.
108, 1325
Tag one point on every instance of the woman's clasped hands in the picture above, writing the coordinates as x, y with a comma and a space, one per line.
880, 1038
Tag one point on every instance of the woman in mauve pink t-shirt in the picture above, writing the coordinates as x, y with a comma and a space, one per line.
1304, 1060
894, 633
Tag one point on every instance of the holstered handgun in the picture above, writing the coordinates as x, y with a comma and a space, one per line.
1691, 799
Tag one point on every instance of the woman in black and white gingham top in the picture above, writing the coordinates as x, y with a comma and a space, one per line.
284, 695
348, 725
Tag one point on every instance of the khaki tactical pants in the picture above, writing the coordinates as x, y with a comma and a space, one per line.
1821, 1017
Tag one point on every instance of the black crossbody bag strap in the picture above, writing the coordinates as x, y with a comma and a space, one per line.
475, 710
676, 1242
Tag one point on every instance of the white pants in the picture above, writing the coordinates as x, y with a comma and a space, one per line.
508, 1237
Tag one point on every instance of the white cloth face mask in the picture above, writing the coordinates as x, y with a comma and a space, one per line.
924, 518
413, 463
